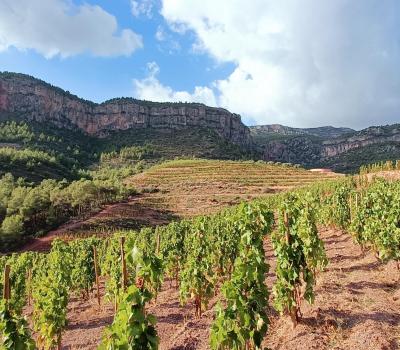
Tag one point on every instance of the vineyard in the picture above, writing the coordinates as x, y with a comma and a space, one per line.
187, 188
195, 187
312, 268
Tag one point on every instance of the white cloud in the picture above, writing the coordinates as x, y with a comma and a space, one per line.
166, 41
302, 63
142, 7
160, 34
58, 27
151, 89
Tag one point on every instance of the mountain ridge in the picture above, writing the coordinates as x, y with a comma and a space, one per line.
339, 148
24, 95
322, 131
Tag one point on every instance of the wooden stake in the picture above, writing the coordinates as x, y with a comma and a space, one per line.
29, 286
293, 311
293, 316
59, 341
115, 305
124, 271
158, 243
6, 284
356, 201
96, 271
286, 222
351, 208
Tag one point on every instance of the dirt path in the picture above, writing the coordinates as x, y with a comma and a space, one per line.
357, 307
131, 214
42, 244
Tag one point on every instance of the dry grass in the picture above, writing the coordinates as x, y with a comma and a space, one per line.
192, 187
186, 188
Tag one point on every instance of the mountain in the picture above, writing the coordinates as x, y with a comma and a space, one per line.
341, 149
273, 129
46, 132
23, 95
75, 132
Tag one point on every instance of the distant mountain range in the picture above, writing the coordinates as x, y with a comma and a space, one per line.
323, 131
341, 149
25, 98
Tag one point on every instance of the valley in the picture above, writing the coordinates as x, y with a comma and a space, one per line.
179, 224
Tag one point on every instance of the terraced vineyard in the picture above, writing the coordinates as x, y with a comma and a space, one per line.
186, 188
191, 187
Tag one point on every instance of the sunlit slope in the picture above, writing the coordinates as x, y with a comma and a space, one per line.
192, 187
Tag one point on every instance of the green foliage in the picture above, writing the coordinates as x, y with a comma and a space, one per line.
127, 153
299, 253
31, 210
13, 225
197, 278
83, 272
146, 269
336, 207
172, 249
243, 322
14, 331
11, 131
20, 265
110, 265
197, 142
50, 295
377, 220
132, 328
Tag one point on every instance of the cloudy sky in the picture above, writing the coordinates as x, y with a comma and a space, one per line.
301, 63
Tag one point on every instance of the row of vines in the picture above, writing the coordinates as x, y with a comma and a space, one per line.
220, 255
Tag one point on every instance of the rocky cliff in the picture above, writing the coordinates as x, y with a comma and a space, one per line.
34, 99
339, 148
370, 136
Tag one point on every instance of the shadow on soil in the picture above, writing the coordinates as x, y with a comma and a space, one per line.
347, 320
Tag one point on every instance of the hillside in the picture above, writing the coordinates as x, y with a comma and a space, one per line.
193, 187
260, 131
37, 151
176, 129
341, 149
347, 294
186, 188
24, 96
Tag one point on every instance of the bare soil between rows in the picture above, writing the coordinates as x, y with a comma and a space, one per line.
357, 306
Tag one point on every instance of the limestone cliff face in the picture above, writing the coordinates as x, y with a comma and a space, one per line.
366, 137
319, 148
36, 100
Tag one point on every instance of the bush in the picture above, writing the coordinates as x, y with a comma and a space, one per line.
13, 225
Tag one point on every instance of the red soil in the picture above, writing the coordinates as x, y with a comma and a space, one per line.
110, 215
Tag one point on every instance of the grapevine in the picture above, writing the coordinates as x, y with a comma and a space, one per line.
299, 253
243, 323
132, 328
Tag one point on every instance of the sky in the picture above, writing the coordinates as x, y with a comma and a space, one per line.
302, 63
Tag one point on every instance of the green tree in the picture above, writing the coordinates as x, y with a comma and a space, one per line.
13, 225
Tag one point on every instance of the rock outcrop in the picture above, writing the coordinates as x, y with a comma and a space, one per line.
339, 148
370, 136
36, 100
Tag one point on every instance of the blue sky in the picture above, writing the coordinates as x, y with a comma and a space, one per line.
101, 78
304, 64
